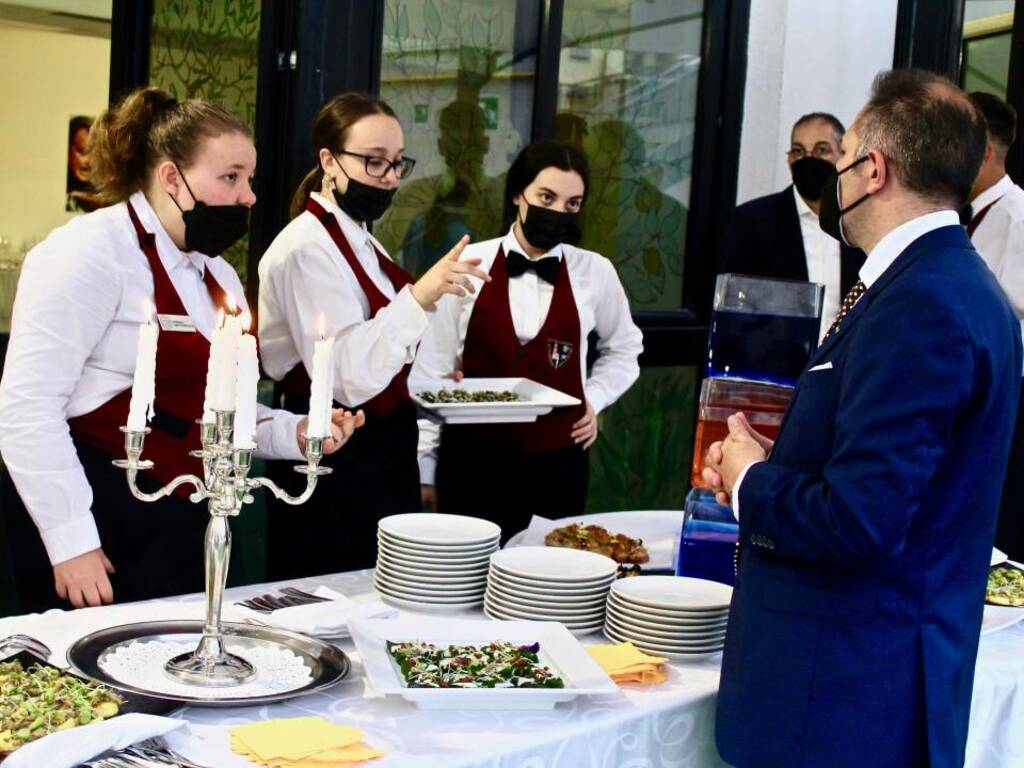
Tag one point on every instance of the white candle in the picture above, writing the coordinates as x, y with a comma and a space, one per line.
322, 387
211, 371
226, 362
248, 376
144, 384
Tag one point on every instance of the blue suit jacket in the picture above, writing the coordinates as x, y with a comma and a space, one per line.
866, 538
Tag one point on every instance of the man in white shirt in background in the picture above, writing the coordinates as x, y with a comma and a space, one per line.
996, 228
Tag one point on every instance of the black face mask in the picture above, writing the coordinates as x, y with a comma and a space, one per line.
212, 229
545, 228
363, 202
831, 211
810, 175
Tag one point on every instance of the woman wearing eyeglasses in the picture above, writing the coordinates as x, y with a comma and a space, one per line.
325, 275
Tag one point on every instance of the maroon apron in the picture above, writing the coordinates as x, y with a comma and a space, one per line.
180, 385
533, 467
296, 381
376, 474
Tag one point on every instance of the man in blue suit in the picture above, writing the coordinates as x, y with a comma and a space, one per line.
866, 529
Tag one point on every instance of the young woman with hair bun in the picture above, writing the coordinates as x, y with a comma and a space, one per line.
326, 264
533, 319
176, 176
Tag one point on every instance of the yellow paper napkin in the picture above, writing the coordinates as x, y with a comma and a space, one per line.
625, 663
300, 742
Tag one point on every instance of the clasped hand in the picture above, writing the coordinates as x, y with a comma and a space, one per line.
726, 458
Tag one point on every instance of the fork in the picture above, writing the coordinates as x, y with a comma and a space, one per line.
290, 597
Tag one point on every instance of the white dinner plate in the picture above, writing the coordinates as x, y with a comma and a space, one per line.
539, 611
421, 607
545, 586
434, 528
455, 550
455, 581
650, 621
548, 598
559, 650
481, 556
673, 638
433, 566
428, 590
454, 602
674, 593
589, 625
658, 529
672, 652
664, 614
570, 566
535, 400
437, 561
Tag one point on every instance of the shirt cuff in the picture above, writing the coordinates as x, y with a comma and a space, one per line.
72, 539
734, 497
428, 469
278, 437
596, 398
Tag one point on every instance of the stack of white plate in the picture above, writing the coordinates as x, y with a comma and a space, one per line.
431, 562
549, 584
673, 616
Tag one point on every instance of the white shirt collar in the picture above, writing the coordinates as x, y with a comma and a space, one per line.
802, 208
511, 243
355, 231
895, 242
170, 254
991, 194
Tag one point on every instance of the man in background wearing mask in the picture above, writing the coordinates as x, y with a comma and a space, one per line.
778, 235
866, 533
996, 228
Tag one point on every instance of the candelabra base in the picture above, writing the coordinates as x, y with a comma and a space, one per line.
222, 671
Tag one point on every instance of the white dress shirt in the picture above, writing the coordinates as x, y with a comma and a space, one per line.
81, 297
602, 305
304, 276
823, 261
999, 238
885, 252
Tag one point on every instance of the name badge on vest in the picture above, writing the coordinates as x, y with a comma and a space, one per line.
179, 323
559, 352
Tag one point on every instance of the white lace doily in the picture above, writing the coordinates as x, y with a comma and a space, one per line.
141, 664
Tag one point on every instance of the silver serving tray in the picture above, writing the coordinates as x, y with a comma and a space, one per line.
327, 663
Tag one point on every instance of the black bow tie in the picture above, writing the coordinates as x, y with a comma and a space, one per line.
547, 269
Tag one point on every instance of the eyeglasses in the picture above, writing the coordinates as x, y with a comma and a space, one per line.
377, 167
820, 150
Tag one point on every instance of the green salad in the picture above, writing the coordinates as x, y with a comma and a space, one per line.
465, 396
495, 665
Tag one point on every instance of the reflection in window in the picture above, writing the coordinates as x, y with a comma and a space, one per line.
459, 74
628, 97
988, 30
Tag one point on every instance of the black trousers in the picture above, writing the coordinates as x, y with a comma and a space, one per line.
157, 548
494, 479
1010, 526
375, 475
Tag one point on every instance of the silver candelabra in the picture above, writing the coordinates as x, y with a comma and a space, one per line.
227, 486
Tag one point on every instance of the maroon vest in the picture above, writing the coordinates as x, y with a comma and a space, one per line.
492, 349
180, 384
296, 381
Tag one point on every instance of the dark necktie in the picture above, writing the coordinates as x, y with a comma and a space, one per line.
855, 292
547, 269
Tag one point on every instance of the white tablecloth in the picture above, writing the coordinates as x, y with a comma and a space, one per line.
665, 726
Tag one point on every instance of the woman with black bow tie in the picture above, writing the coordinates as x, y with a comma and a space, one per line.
532, 319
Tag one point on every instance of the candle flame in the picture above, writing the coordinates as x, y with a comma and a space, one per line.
323, 326
246, 321
232, 304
